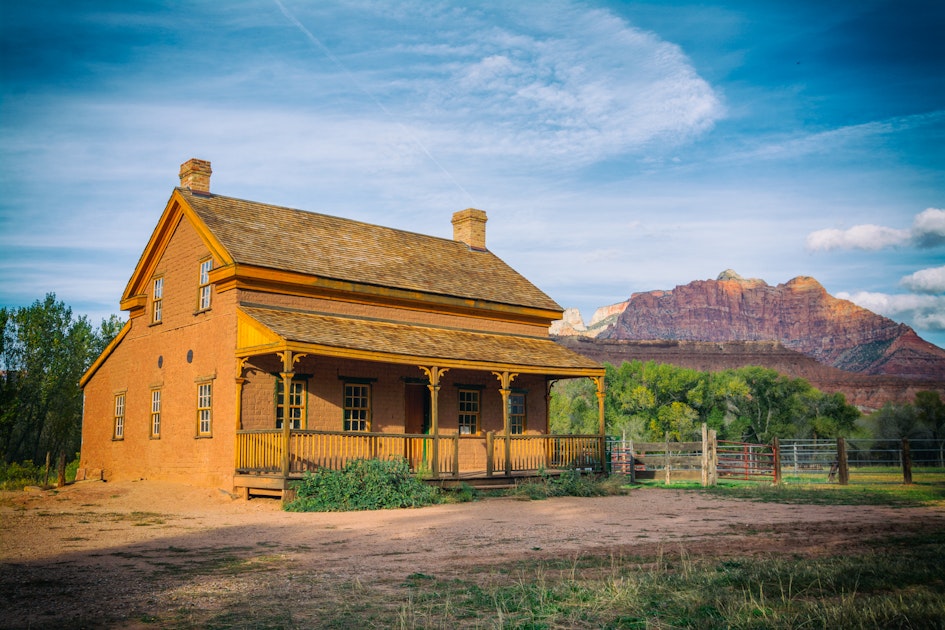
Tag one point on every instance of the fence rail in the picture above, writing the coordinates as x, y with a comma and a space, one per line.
808, 461
263, 451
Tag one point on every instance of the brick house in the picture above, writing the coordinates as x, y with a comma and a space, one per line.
265, 341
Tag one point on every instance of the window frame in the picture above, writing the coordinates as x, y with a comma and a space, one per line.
301, 405
119, 410
348, 407
468, 419
157, 300
156, 399
204, 287
205, 409
518, 422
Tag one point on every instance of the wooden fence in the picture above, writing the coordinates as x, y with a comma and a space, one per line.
262, 452
705, 460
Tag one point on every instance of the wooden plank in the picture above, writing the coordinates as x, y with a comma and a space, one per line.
259, 482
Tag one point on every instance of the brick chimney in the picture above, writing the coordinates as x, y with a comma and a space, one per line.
195, 175
469, 226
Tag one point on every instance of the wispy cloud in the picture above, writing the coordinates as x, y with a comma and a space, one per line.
924, 311
928, 230
926, 281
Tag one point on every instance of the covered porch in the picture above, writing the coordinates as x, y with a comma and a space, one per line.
479, 428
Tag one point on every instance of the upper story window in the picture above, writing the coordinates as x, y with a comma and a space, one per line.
296, 403
204, 409
157, 300
119, 432
468, 411
357, 407
517, 413
203, 292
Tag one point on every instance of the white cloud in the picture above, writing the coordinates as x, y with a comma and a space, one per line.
868, 237
922, 312
926, 280
928, 230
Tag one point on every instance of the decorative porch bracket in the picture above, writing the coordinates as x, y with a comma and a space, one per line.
287, 373
505, 388
433, 376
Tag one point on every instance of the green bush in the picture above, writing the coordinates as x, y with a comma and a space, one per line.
364, 484
570, 483
17, 475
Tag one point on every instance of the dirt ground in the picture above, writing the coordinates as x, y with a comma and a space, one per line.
131, 554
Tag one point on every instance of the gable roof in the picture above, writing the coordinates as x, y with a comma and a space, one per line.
297, 241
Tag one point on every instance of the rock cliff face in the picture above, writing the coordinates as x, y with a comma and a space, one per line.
800, 314
796, 328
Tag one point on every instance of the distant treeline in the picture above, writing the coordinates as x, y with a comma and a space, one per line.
43, 353
648, 401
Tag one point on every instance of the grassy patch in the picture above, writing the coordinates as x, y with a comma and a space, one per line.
914, 495
902, 586
570, 483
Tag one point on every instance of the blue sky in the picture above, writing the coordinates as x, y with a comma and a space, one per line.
616, 146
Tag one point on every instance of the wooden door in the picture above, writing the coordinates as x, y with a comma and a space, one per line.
416, 408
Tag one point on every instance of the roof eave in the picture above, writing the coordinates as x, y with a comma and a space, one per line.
249, 277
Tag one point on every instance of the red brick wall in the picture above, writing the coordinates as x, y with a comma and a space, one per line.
157, 356
325, 387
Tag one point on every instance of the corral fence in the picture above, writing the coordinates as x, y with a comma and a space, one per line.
845, 460
792, 461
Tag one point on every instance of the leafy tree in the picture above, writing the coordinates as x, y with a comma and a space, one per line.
648, 400
43, 353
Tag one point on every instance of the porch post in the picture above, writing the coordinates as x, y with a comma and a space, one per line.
433, 376
286, 374
240, 381
505, 382
599, 381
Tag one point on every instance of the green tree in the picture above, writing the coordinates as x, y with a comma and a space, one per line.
43, 354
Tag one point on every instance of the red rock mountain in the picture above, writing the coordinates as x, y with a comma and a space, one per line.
723, 323
800, 314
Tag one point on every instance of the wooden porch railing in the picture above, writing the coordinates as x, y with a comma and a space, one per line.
262, 451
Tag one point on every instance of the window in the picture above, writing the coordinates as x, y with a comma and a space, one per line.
468, 411
357, 407
119, 417
157, 301
203, 294
516, 413
296, 403
155, 413
204, 402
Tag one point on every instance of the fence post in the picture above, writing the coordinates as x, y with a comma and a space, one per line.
705, 455
490, 444
666, 456
843, 472
906, 462
776, 463
714, 457
633, 462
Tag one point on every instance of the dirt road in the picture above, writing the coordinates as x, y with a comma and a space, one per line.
131, 554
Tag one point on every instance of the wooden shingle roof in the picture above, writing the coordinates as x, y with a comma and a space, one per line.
405, 343
340, 249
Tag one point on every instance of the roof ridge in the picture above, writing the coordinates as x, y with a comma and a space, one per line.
208, 195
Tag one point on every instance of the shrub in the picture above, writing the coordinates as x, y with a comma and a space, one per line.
364, 484
570, 483
18, 475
